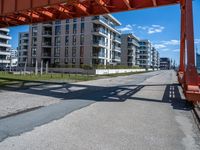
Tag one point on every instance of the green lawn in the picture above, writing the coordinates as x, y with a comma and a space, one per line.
7, 78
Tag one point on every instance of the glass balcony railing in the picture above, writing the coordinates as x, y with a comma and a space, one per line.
47, 32
103, 19
101, 30
99, 43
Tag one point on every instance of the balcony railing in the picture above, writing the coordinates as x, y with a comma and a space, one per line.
99, 43
100, 30
47, 32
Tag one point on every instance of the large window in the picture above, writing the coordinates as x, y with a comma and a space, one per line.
57, 52
66, 51
67, 29
57, 41
82, 39
67, 40
74, 40
82, 27
73, 51
74, 28
57, 30
81, 51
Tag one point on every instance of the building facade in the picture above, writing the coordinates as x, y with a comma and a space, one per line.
143, 58
165, 63
4, 48
155, 58
75, 42
23, 46
198, 61
130, 45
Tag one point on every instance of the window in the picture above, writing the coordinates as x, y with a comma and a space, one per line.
34, 52
34, 31
75, 20
73, 51
73, 61
67, 20
67, 40
57, 52
82, 18
82, 39
57, 41
81, 51
66, 61
56, 61
66, 51
57, 22
74, 28
82, 27
81, 61
57, 30
74, 40
67, 29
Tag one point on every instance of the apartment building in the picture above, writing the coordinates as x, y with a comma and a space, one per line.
144, 54
198, 61
23, 48
165, 63
130, 45
4, 48
155, 58
75, 42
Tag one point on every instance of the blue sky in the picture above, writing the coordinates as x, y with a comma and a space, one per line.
160, 25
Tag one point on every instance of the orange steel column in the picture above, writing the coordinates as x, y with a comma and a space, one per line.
182, 44
191, 75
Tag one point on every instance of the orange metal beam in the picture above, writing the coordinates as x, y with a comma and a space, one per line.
48, 10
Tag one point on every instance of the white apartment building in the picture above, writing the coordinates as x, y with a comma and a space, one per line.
144, 54
75, 42
155, 58
4, 47
23, 48
130, 45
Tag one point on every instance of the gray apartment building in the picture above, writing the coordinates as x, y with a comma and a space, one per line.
87, 40
4, 48
130, 45
23, 48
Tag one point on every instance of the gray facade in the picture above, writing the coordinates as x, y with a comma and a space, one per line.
75, 42
130, 45
23, 48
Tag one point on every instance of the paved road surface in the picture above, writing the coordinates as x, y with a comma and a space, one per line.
139, 112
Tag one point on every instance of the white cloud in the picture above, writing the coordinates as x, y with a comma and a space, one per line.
171, 42
165, 49
176, 50
152, 29
126, 28
159, 46
197, 41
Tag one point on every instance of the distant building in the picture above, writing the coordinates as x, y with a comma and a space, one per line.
4, 48
198, 61
130, 45
80, 41
165, 63
144, 54
23, 48
155, 58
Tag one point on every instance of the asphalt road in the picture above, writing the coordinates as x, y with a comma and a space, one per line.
145, 111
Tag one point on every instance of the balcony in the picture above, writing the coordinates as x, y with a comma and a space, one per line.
7, 37
48, 33
99, 43
116, 58
117, 39
5, 45
100, 31
116, 48
46, 44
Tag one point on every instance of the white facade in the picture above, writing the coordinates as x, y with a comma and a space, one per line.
4, 47
144, 54
75, 42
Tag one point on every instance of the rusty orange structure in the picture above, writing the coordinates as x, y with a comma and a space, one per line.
21, 12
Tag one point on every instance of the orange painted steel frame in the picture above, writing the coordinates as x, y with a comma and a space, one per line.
20, 12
